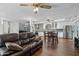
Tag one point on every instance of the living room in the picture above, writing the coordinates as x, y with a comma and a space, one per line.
26, 29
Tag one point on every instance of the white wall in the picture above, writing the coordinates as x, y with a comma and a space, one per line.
5, 27
1, 28
14, 27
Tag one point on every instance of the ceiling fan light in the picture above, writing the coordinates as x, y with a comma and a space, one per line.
35, 9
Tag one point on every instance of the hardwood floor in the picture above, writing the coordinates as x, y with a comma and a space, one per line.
65, 47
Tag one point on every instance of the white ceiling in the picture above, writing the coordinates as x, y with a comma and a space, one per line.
13, 11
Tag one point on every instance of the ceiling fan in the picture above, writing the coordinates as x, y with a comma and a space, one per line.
36, 6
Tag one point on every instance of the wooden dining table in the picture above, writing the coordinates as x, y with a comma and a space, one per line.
51, 37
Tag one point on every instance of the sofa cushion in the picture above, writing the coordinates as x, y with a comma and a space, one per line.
22, 42
13, 46
12, 37
23, 35
30, 34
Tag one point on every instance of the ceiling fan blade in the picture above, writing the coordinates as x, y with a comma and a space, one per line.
25, 4
45, 6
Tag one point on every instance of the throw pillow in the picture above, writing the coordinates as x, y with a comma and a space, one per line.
13, 46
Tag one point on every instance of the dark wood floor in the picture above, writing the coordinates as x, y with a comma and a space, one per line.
65, 47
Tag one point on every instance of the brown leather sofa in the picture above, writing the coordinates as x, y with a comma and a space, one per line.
28, 41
